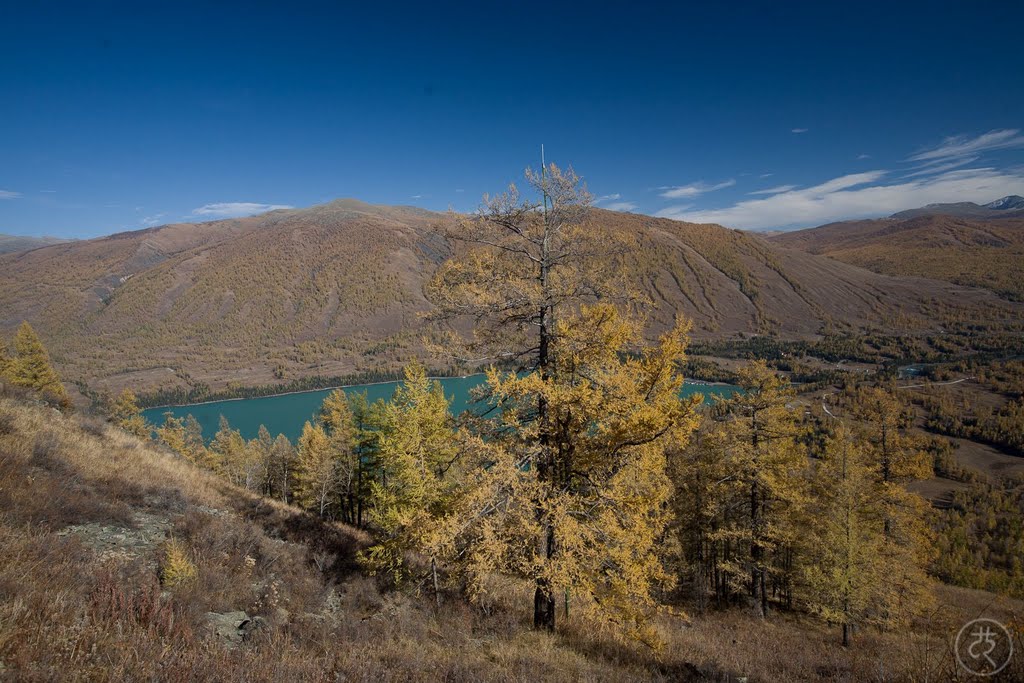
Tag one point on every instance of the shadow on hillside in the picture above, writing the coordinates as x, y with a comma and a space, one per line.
334, 540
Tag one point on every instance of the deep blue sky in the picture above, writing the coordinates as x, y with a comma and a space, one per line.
116, 116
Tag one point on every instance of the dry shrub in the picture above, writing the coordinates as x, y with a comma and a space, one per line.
6, 423
177, 568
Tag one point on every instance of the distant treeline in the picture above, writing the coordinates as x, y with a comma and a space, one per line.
201, 392
955, 344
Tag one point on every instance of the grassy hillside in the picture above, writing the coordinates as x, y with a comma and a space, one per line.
966, 251
338, 289
123, 562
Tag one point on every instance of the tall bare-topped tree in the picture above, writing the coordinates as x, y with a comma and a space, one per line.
523, 271
526, 260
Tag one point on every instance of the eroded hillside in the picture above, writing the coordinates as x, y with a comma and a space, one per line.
337, 289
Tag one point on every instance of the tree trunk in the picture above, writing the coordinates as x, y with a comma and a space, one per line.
437, 588
543, 607
543, 597
846, 634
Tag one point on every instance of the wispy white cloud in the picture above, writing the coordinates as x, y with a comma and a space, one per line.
236, 209
775, 190
799, 130
608, 198
48, 191
963, 145
858, 196
9, 194
459, 189
620, 206
936, 168
767, 175
152, 220
861, 157
694, 189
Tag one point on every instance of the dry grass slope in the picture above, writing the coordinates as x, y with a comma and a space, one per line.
966, 251
92, 520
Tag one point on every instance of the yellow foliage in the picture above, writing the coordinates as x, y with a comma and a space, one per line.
30, 367
177, 568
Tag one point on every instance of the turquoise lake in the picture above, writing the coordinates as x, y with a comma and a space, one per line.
286, 413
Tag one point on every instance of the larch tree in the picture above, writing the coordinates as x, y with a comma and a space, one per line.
195, 446
846, 574
897, 457
31, 367
338, 423
316, 470
590, 521
282, 469
228, 453
519, 264
262, 453
413, 499
124, 411
6, 362
767, 479
172, 434
184, 436
702, 501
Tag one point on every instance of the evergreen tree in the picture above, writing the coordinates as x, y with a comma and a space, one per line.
703, 487
6, 362
368, 420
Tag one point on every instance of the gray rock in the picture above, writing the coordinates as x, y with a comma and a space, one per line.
228, 627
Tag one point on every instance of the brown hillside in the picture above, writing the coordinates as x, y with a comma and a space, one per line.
338, 288
968, 251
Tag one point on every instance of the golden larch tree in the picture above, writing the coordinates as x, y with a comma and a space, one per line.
124, 411
316, 470
31, 368
412, 500
590, 522
846, 574
520, 263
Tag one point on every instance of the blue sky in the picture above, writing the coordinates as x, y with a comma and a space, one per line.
756, 115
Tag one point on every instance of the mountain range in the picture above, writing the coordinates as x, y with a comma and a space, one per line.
337, 289
11, 243
1011, 206
978, 252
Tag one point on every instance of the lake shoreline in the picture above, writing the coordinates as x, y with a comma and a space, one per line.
693, 382
301, 391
